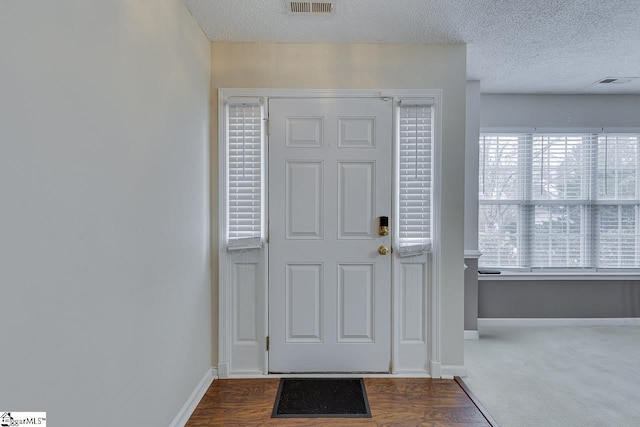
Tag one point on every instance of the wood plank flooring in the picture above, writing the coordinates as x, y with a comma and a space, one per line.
394, 402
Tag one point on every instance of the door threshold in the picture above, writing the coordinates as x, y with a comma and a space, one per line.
334, 375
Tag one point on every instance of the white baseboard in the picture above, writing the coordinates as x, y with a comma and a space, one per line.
450, 371
190, 405
411, 373
434, 369
617, 321
223, 370
245, 374
471, 335
447, 371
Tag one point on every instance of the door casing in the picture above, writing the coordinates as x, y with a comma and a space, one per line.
406, 360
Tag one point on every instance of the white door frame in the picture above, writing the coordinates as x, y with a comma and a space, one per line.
247, 357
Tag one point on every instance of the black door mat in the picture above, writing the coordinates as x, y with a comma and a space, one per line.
321, 398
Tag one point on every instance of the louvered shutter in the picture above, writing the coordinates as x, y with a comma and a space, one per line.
415, 180
244, 174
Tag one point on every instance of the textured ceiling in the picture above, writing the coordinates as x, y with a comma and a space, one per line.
513, 46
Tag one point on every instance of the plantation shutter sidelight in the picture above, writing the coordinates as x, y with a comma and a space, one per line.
415, 177
245, 228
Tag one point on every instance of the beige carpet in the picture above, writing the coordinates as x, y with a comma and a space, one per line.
557, 376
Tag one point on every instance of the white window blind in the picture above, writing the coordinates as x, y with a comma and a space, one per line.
561, 187
502, 192
618, 190
244, 174
415, 180
559, 201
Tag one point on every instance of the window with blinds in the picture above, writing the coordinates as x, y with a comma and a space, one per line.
244, 174
618, 206
502, 192
559, 201
561, 180
415, 178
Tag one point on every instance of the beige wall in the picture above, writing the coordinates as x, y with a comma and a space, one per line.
104, 209
345, 66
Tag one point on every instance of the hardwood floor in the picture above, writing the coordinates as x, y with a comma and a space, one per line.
394, 402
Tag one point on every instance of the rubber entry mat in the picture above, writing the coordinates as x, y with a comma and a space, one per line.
321, 398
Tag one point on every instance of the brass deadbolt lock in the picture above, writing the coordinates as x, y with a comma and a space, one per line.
383, 228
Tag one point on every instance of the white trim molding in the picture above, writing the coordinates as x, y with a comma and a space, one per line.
248, 361
450, 371
402, 374
192, 402
608, 321
472, 254
223, 369
471, 335
517, 276
435, 369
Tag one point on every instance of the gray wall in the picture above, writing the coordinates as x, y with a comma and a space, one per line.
558, 299
471, 295
471, 206
104, 210
560, 111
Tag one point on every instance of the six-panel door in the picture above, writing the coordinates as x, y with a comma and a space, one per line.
329, 287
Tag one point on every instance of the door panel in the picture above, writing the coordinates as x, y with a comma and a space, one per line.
356, 204
329, 288
304, 303
304, 200
356, 132
304, 132
355, 303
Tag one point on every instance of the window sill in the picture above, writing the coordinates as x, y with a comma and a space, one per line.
518, 276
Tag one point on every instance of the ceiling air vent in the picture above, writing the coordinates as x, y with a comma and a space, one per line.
617, 80
310, 7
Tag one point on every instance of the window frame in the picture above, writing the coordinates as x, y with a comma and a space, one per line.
411, 246
255, 241
525, 270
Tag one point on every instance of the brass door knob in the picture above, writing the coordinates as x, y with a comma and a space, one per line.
383, 250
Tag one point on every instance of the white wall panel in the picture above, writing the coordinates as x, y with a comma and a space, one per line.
413, 311
245, 282
413, 278
247, 298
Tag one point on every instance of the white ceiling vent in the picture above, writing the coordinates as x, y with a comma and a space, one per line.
617, 80
310, 7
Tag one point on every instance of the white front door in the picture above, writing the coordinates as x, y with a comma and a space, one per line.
329, 287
